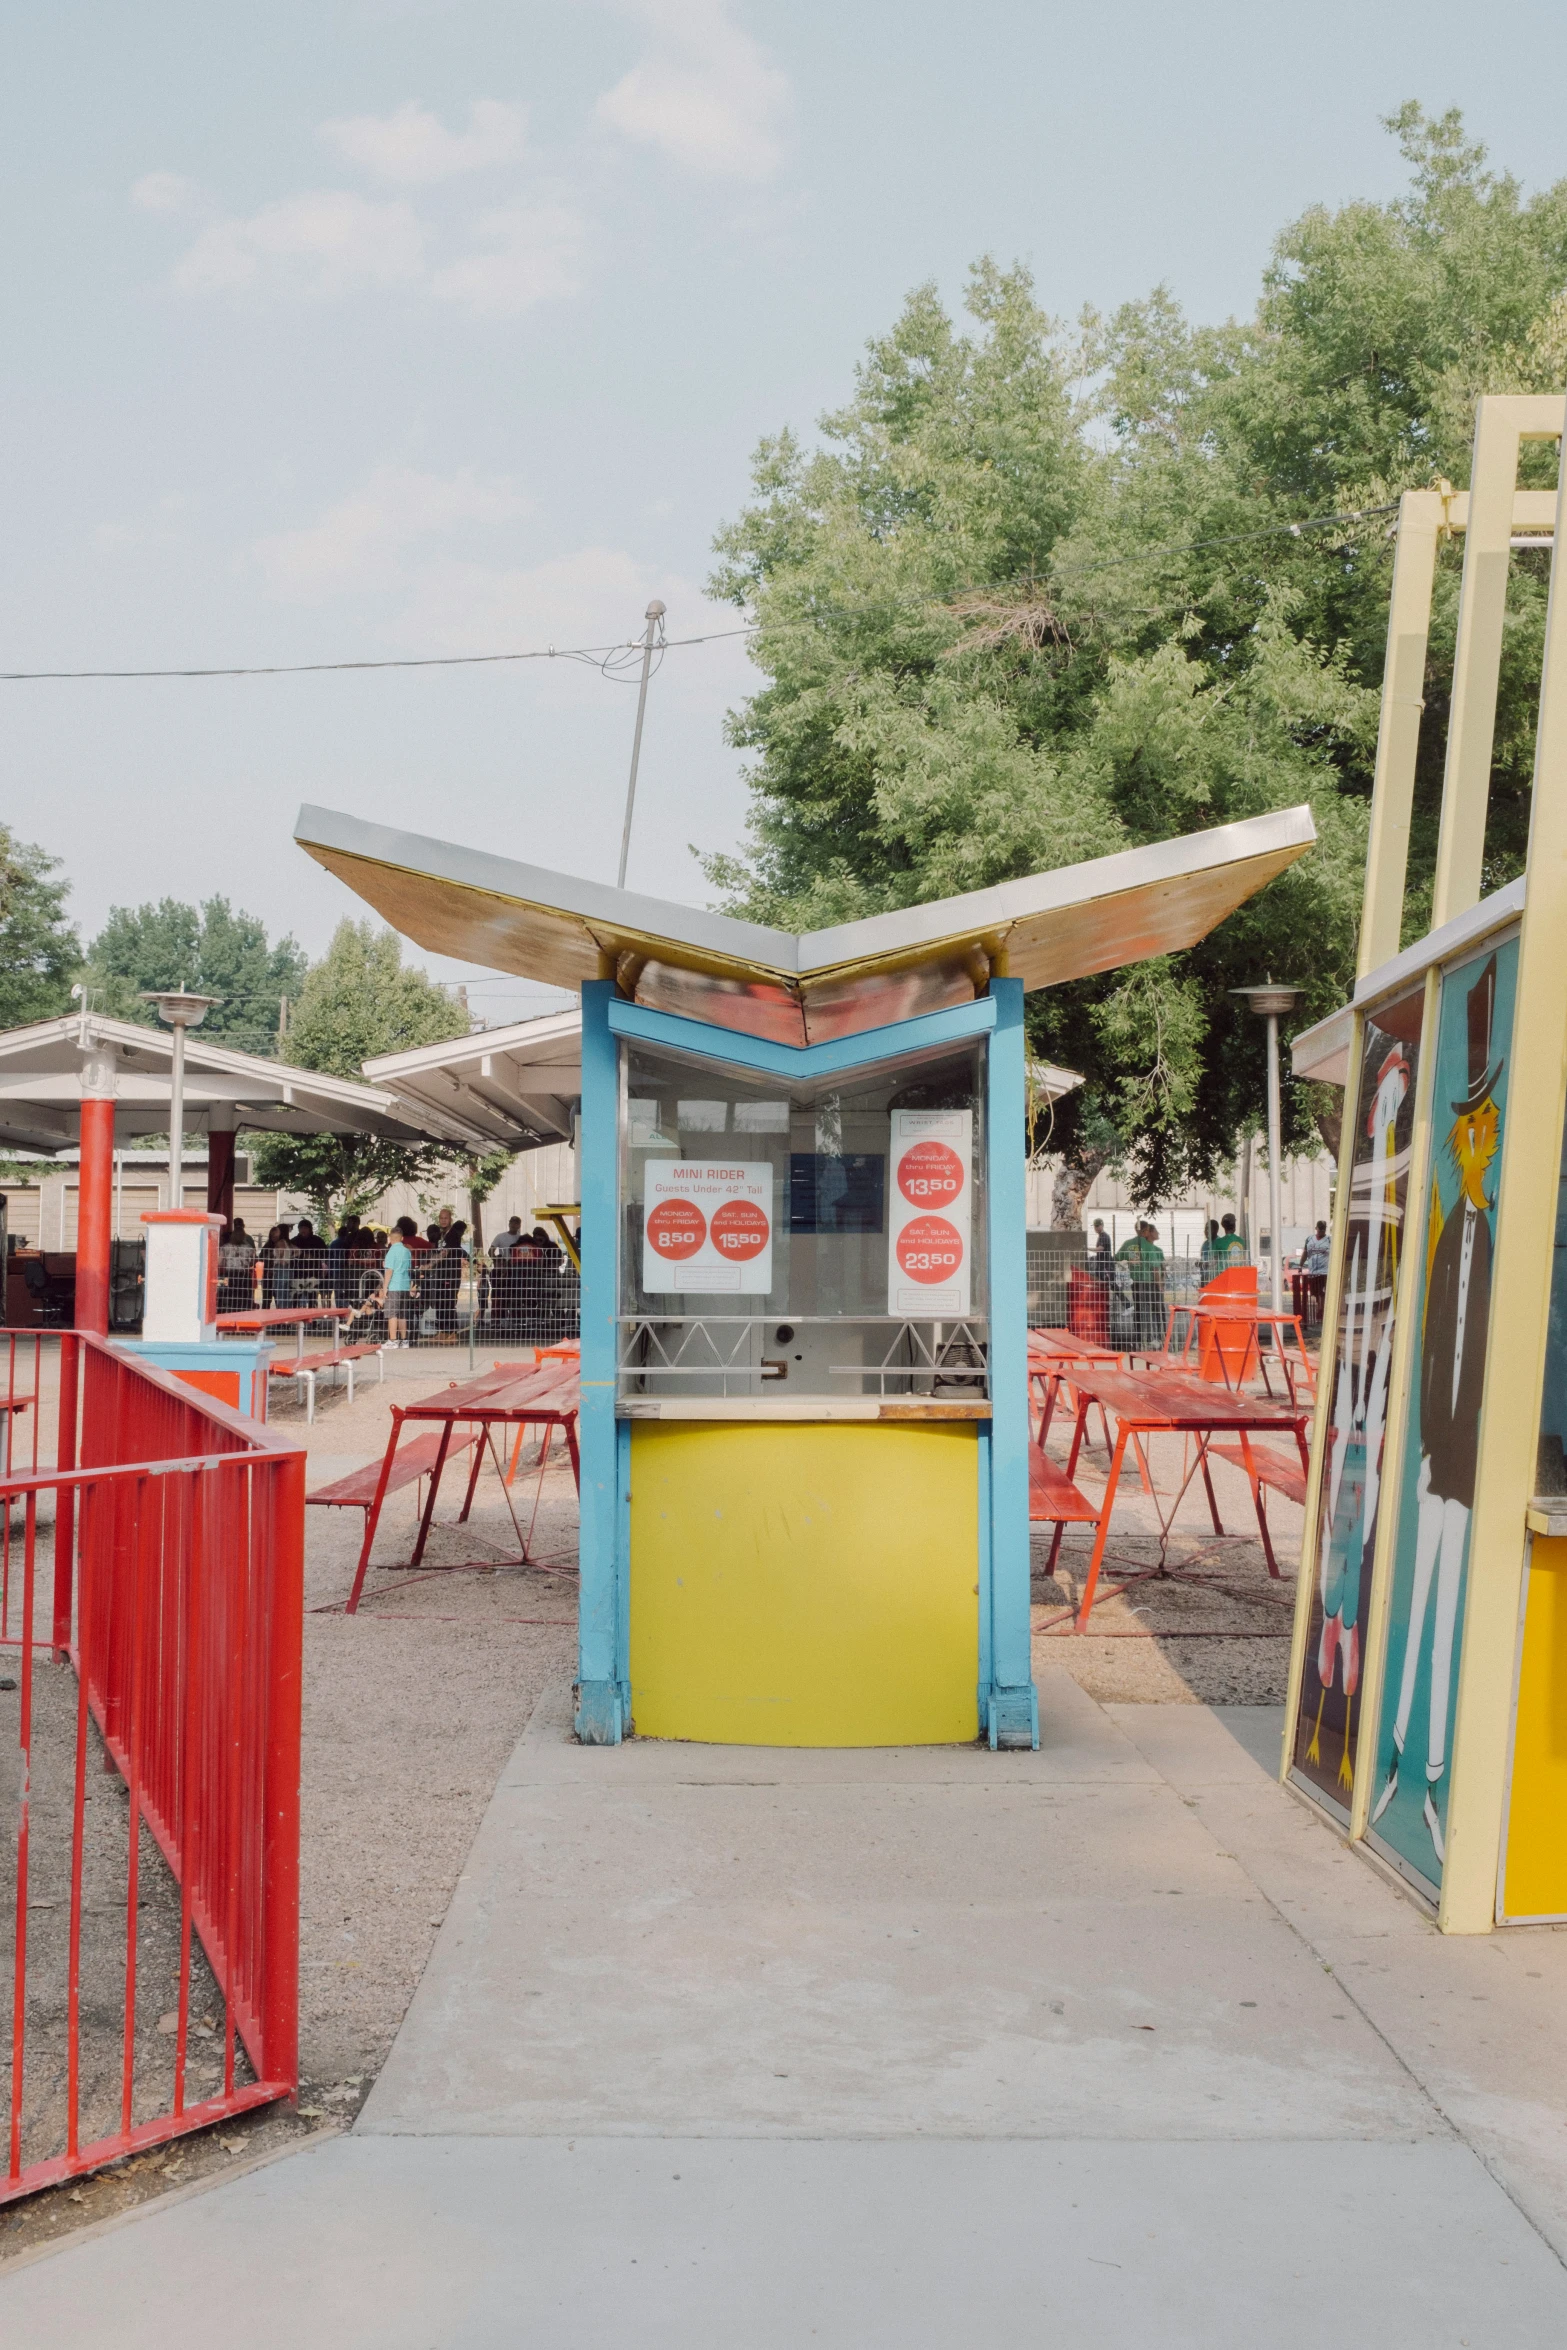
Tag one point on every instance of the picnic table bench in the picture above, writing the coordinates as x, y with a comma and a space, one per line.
365, 1489
307, 1368
1053, 1499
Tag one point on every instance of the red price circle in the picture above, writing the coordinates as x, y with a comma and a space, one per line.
740, 1231
930, 1175
930, 1249
676, 1229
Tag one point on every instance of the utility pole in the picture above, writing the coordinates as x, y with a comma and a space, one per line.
654, 616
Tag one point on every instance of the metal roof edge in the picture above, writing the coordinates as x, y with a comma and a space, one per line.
1438, 946
534, 885
948, 920
387, 1067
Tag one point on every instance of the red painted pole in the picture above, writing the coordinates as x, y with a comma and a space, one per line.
95, 1216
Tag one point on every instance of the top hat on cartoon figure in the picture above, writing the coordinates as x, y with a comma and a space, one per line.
1483, 1070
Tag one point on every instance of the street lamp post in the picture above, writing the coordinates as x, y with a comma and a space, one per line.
179, 1011
1272, 1003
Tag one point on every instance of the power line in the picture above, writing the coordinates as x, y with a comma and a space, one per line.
601, 657
620, 661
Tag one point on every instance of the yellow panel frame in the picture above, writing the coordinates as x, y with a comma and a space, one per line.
808, 1585
1534, 1861
1490, 1670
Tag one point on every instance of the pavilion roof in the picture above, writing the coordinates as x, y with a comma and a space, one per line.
1044, 929
40, 1089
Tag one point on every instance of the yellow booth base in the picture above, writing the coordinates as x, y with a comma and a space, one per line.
1534, 1872
805, 1585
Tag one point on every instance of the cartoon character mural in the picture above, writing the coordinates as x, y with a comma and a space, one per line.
1426, 1620
1379, 1178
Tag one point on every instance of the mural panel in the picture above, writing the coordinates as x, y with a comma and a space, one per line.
1425, 1638
1383, 1111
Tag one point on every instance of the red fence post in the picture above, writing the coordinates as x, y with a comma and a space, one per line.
65, 1501
284, 1482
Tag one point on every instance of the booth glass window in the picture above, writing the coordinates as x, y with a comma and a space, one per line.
817, 1239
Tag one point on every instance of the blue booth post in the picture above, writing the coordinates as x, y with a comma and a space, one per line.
1009, 1703
603, 1693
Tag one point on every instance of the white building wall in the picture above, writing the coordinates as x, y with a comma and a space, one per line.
1307, 1196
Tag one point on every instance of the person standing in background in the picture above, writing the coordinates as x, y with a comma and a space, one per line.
397, 1280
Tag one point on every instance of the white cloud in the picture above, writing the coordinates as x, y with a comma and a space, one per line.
360, 544
414, 148
594, 596
163, 191
706, 96
323, 242
532, 253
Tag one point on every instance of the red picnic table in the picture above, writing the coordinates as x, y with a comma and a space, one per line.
1220, 1314
1052, 1355
272, 1318
1166, 1403
466, 1416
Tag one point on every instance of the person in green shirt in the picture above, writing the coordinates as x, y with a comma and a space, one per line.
1230, 1247
1144, 1260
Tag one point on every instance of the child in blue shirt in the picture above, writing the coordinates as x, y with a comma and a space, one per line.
397, 1280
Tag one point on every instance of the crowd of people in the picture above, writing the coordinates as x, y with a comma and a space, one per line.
1141, 1303
410, 1279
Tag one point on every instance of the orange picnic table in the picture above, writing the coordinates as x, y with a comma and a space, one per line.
1162, 1403
259, 1320
460, 1418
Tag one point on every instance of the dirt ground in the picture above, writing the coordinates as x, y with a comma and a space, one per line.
412, 1707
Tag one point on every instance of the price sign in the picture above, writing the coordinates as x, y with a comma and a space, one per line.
676, 1229
707, 1227
930, 1224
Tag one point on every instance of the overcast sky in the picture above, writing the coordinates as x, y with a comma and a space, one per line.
356, 328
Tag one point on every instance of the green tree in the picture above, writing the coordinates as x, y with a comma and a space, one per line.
39, 948
359, 1001
480, 1172
209, 949
1037, 595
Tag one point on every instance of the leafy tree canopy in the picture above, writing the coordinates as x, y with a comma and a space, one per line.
209, 949
1036, 596
39, 948
359, 1001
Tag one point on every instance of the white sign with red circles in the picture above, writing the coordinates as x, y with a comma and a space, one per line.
930, 1220
707, 1227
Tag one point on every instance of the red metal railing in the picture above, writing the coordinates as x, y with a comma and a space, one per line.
155, 1626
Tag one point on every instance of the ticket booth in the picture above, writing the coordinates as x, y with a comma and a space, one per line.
819, 1380
802, 1160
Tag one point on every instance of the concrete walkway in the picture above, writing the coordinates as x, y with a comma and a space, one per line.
1110, 2044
